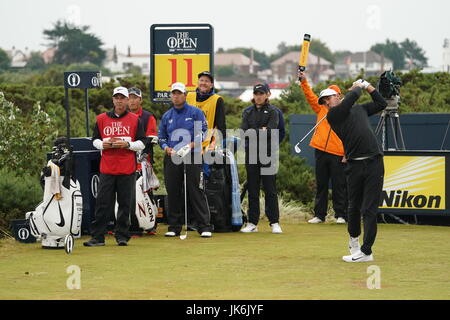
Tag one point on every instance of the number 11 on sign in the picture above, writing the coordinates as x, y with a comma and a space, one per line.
174, 63
179, 68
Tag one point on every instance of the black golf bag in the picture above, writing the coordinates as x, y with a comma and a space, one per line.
218, 193
222, 192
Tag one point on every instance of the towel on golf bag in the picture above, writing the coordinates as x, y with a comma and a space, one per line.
236, 213
53, 184
150, 181
55, 218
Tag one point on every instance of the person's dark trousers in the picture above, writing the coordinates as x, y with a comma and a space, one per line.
254, 179
365, 185
134, 224
109, 187
330, 167
196, 198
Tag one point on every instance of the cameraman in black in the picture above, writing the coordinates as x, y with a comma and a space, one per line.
365, 167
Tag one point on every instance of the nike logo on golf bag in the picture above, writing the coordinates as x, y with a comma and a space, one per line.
62, 223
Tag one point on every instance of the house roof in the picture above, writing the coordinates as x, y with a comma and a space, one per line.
293, 56
48, 55
110, 55
236, 59
361, 57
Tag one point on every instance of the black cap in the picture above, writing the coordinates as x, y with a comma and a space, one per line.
135, 91
208, 74
262, 88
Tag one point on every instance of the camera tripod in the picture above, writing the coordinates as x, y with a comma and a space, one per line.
391, 114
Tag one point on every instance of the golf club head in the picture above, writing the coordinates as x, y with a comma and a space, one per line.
183, 236
297, 149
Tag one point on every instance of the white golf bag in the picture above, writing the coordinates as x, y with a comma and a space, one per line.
60, 212
146, 208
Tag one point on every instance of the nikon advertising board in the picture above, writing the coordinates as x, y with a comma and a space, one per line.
178, 53
415, 183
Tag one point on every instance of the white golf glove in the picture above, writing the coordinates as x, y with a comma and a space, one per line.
365, 84
184, 151
153, 139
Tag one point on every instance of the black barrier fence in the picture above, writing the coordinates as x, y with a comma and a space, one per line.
421, 131
87, 171
87, 168
415, 181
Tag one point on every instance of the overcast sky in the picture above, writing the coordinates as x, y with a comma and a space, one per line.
352, 25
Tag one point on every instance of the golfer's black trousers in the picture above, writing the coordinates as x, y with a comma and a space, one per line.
254, 179
330, 166
365, 185
196, 198
110, 186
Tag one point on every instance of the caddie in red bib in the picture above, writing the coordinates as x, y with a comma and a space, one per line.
118, 134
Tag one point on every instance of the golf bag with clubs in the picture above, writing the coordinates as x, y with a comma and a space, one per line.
146, 208
60, 212
223, 193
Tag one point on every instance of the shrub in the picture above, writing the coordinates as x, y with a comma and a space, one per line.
25, 137
18, 194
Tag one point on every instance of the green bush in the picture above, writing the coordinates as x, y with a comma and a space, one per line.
25, 137
18, 194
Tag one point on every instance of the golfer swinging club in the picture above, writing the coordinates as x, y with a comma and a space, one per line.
365, 168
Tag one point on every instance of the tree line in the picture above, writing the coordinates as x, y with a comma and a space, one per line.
78, 45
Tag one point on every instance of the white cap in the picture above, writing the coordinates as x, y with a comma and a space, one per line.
121, 90
178, 86
326, 93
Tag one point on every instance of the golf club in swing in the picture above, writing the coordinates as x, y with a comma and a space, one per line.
297, 148
184, 236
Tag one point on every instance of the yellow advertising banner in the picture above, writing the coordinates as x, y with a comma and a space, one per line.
179, 68
414, 182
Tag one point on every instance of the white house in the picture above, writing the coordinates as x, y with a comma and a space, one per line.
241, 63
372, 63
446, 56
19, 58
120, 62
284, 69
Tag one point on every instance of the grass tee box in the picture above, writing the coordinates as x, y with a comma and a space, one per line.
302, 263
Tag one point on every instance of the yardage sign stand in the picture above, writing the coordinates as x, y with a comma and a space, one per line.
80, 80
178, 52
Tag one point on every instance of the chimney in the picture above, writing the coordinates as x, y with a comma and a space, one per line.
115, 54
129, 51
251, 70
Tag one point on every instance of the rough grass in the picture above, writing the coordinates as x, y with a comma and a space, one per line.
303, 263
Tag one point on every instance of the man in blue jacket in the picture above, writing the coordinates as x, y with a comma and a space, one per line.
181, 132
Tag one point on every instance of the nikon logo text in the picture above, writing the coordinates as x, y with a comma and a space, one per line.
402, 199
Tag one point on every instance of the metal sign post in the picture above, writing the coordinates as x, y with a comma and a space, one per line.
80, 80
178, 52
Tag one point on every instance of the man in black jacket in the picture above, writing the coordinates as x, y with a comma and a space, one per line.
365, 168
260, 126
